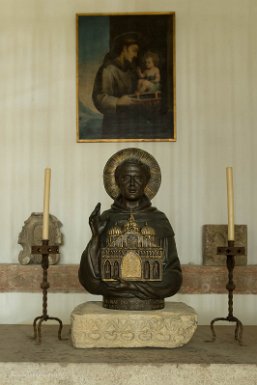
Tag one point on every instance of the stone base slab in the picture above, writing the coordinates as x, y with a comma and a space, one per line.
93, 326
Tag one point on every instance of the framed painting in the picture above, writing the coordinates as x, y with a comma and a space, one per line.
126, 77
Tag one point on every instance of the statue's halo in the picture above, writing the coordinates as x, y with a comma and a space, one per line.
131, 153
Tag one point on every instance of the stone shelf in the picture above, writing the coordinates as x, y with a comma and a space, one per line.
197, 279
55, 362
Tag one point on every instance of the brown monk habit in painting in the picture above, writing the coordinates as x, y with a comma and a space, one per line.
131, 258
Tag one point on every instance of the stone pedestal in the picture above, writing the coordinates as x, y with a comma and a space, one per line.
96, 327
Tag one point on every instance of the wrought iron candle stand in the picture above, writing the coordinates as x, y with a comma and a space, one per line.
45, 250
230, 251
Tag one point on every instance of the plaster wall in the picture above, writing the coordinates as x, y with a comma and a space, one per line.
216, 77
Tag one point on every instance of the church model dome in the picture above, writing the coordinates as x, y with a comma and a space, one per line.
131, 225
147, 230
115, 230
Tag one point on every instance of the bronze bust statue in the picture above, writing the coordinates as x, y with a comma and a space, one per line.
131, 258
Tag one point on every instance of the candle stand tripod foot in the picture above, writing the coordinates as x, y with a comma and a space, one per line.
37, 327
238, 329
231, 251
45, 250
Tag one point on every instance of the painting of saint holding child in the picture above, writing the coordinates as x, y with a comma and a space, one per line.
125, 77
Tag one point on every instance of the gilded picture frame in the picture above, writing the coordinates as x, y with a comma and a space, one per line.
126, 77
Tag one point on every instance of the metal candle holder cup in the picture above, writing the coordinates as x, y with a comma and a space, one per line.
45, 250
230, 251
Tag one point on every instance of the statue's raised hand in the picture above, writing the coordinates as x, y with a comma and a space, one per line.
96, 224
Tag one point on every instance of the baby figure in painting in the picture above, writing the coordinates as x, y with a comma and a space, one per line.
149, 77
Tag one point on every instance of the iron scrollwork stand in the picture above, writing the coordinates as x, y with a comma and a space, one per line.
45, 250
230, 251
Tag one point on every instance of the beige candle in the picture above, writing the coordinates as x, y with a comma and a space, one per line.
45, 233
230, 195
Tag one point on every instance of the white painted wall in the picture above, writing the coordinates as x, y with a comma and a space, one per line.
216, 58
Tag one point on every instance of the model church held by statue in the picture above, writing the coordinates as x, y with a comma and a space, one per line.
131, 253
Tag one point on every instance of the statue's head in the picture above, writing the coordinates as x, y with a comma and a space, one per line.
132, 176
132, 173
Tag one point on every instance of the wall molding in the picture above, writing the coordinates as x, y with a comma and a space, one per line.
197, 279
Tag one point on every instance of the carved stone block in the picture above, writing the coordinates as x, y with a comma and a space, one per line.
96, 327
217, 235
31, 235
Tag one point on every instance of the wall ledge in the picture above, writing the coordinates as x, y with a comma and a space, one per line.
197, 279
